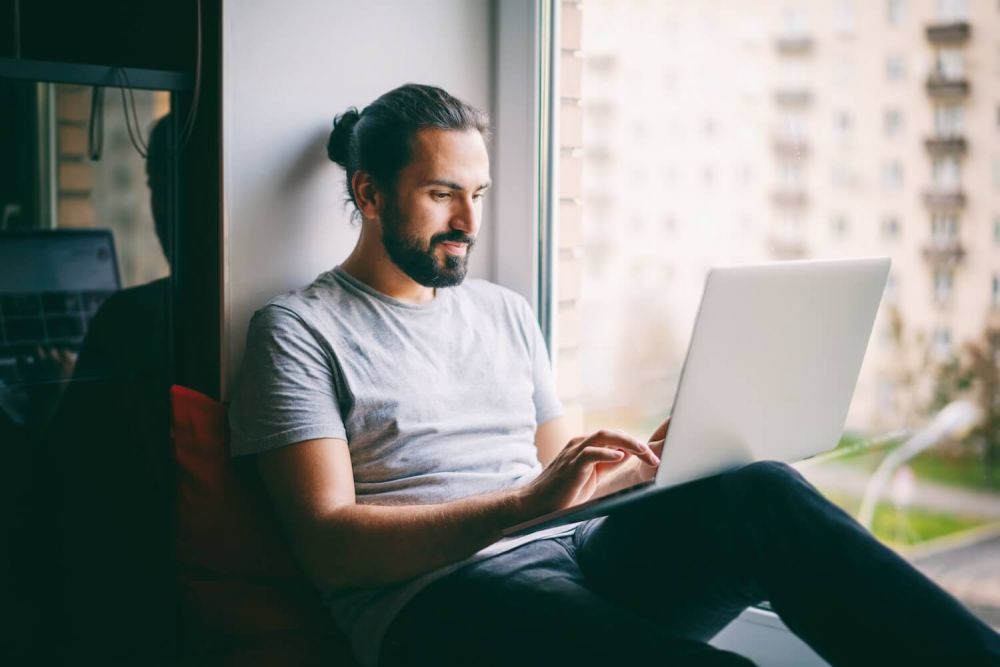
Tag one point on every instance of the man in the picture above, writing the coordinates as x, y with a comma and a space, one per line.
401, 418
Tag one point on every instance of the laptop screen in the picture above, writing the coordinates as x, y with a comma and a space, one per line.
51, 284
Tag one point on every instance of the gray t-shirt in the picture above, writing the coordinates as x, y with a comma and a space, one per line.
437, 402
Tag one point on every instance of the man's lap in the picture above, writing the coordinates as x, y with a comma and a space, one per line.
646, 580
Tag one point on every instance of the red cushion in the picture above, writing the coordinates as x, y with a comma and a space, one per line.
241, 592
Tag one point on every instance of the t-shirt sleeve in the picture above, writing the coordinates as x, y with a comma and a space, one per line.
547, 404
287, 389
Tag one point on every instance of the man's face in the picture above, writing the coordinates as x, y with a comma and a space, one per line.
429, 228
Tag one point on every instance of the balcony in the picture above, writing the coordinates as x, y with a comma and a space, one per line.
943, 252
789, 197
943, 88
949, 34
944, 200
944, 146
791, 147
796, 96
786, 247
792, 44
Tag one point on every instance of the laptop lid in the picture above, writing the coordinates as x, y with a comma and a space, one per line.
772, 365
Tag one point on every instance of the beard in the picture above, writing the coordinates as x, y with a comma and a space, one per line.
417, 260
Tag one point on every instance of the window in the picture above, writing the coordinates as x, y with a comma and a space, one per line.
996, 173
895, 67
941, 344
948, 120
793, 21
842, 125
845, 17
891, 295
892, 122
943, 280
890, 228
791, 127
789, 228
885, 394
952, 10
769, 204
892, 175
945, 174
996, 229
790, 176
995, 291
949, 65
944, 229
895, 11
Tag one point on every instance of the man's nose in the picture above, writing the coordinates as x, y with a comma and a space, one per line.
466, 217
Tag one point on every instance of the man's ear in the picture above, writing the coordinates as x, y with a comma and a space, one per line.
366, 195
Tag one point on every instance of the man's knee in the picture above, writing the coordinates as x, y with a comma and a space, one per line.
771, 479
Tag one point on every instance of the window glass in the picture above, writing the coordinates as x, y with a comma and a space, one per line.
763, 154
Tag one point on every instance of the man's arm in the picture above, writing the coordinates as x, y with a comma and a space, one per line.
343, 545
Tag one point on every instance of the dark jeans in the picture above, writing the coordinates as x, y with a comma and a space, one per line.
651, 584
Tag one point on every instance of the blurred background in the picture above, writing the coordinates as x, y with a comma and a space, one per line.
696, 133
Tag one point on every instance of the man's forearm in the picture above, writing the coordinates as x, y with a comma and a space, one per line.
359, 546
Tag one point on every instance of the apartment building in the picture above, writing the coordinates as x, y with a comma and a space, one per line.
716, 133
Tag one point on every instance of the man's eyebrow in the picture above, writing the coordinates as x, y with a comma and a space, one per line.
452, 184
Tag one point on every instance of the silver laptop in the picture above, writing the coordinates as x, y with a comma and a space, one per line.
769, 374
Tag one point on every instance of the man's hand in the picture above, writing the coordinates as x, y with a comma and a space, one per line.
646, 472
577, 471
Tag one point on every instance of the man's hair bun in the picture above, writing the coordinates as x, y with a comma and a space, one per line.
338, 148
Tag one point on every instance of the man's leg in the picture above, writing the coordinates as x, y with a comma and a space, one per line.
530, 607
696, 555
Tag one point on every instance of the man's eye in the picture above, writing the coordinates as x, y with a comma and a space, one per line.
441, 195
479, 196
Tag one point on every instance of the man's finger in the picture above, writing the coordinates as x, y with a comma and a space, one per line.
625, 442
661, 432
598, 454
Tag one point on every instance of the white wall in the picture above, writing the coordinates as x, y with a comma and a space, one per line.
288, 68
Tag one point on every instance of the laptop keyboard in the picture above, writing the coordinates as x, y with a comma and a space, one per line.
32, 320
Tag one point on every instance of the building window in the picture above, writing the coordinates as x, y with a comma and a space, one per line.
895, 11
949, 65
892, 122
892, 175
884, 395
846, 17
790, 175
891, 295
842, 123
944, 229
946, 174
996, 229
996, 173
895, 67
995, 292
941, 344
943, 281
890, 228
952, 10
791, 127
948, 120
